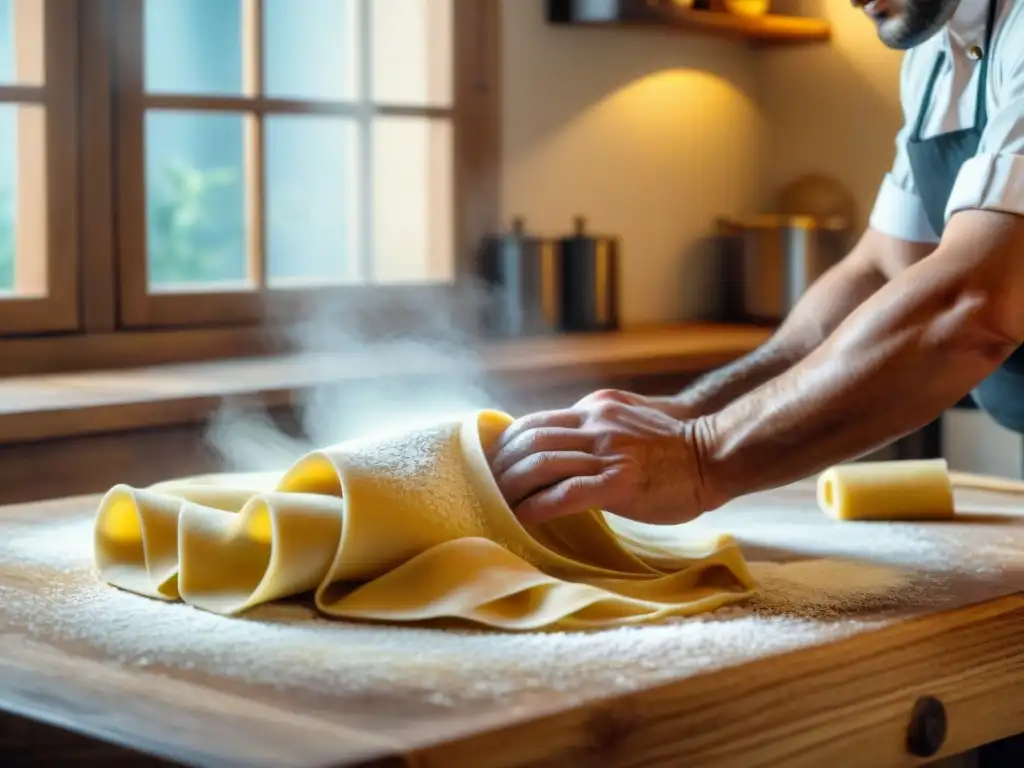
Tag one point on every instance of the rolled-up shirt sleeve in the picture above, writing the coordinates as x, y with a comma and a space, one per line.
898, 210
994, 178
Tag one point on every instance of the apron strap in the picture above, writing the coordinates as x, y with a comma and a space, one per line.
922, 111
981, 110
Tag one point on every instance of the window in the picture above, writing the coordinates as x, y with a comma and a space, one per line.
38, 250
238, 157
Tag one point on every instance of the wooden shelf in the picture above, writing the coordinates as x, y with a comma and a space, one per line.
767, 30
57, 406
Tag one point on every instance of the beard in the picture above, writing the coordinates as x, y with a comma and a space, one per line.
911, 22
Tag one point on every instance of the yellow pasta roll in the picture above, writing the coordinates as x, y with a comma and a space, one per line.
887, 490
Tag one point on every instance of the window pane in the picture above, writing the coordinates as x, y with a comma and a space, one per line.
412, 52
412, 199
193, 46
21, 42
311, 49
7, 54
312, 200
195, 199
8, 195
23, 212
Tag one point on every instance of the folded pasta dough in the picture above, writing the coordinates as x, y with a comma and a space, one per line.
409, 527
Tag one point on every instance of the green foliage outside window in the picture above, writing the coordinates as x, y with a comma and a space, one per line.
188, 241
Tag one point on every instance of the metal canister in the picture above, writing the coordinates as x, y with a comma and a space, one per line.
523, 281
776, 259
590, 280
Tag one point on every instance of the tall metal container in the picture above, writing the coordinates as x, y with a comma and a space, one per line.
775, 259
522, 275
590, 280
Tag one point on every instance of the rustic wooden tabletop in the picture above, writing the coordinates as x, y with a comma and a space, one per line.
861, 633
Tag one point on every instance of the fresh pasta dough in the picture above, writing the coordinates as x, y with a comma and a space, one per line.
409, 527
887, 490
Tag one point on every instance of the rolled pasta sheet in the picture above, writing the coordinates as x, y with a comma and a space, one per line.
887, 490
403, 527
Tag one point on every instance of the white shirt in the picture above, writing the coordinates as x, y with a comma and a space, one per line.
994, 178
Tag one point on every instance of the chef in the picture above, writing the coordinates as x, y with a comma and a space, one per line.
927, 307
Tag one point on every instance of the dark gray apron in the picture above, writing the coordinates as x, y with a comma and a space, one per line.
935, 163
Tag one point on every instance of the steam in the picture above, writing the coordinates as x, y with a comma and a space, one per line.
378, 369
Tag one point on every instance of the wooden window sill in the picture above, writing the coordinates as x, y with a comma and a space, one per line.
57, 406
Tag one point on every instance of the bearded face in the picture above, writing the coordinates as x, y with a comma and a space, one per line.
902, 24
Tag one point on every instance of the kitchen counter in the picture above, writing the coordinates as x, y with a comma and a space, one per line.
853, 625
66, 405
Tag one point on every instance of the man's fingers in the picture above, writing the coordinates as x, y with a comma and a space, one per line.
566, 419
541, 440
610, 396
542, 470
576, 494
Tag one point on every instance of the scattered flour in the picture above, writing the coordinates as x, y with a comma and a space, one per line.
52, 592
826, 588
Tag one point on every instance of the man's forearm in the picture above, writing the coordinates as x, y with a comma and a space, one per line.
905, 355
717, 389
819, 312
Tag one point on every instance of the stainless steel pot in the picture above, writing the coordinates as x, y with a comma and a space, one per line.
524, 282
773, 259
590, 280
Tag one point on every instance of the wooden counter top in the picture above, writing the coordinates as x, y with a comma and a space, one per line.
65, 405
853, 623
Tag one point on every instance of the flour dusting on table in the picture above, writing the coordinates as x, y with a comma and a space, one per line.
798, 603
825, 588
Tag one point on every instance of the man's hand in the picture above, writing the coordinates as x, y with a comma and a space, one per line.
671, 405
612, 451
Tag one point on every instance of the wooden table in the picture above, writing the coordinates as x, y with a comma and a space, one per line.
792, 679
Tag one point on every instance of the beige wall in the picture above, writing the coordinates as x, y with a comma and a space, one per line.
834, 108
652, 135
